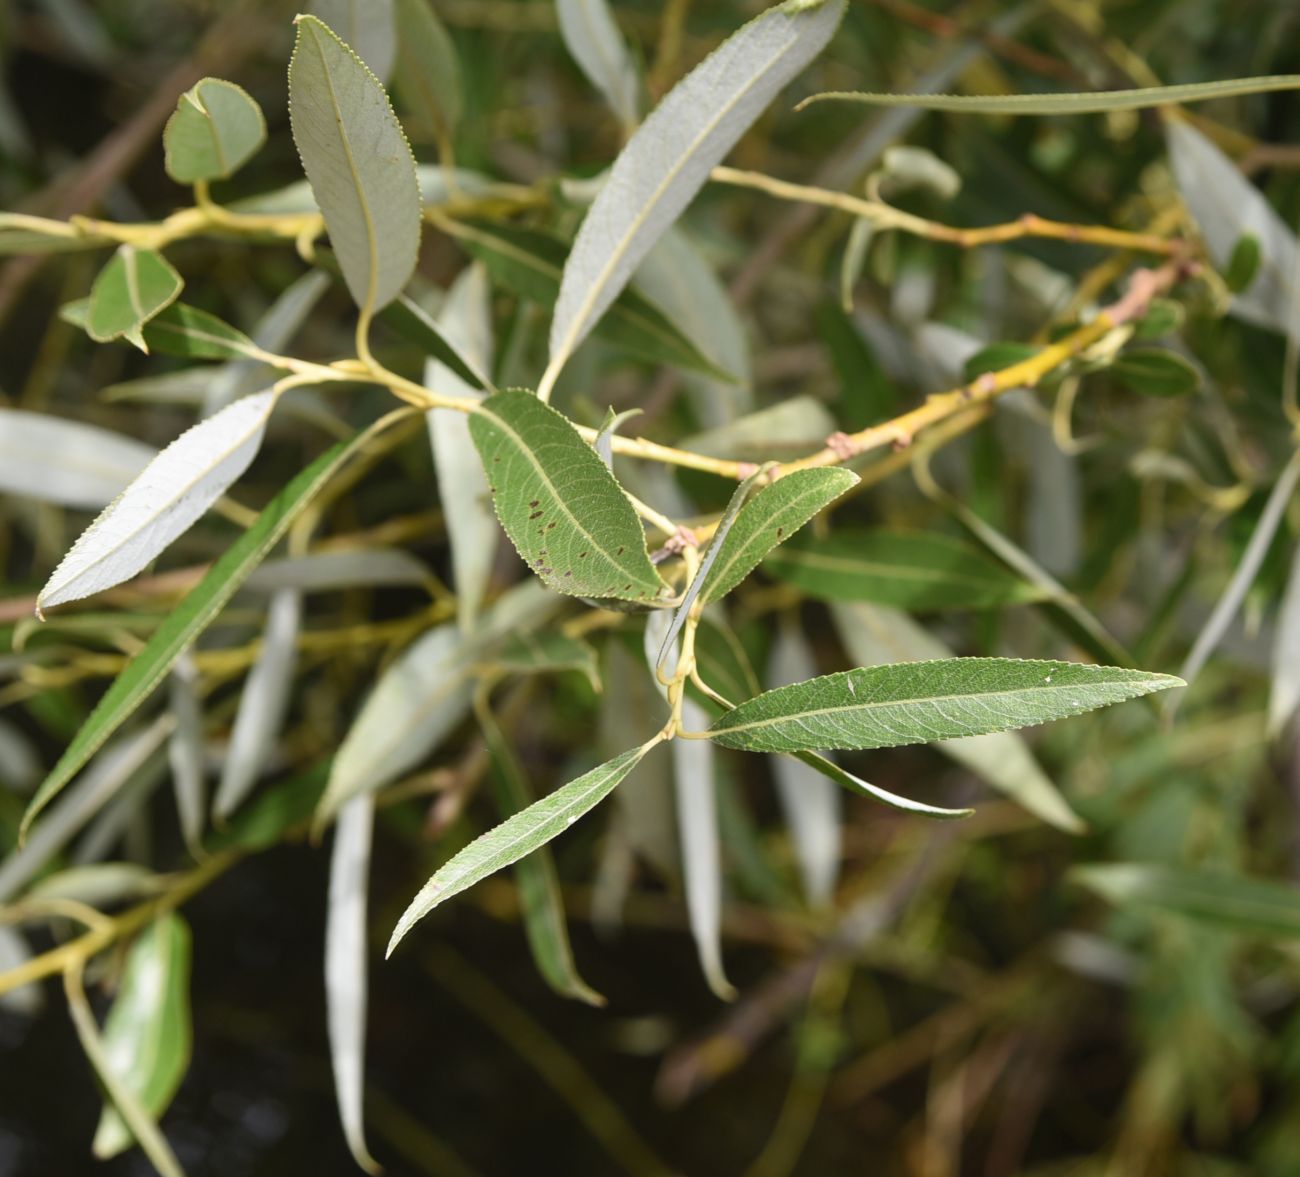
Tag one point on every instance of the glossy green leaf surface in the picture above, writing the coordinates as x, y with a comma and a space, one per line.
909, 570
216, 128
915, 702
357, 159
560, 506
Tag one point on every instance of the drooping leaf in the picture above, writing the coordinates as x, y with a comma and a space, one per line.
832, 771
512, 839
216, 128
768, 519
346, 952
182, 330
147, 1034
1089, 102
593, 39
701, 852
163, 502
358, 162
368, 26
560, 506
669, 158
466, 321
915, 702
909, 570
133, 287
328, 571
1154, 371
1254, 907
263, 703
185, 751
66, 462
427, 76
539, 886
543, 652
531, 263
1243, 263
146, 670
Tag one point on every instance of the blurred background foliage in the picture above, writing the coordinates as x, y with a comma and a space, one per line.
963, 1004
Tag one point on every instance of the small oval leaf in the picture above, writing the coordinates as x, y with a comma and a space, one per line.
1152, 371
133, 287
216, 128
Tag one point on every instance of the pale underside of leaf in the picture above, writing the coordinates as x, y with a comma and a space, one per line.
66, 462
593, 39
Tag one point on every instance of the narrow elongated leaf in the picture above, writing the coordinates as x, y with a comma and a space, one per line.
427, 76
189, 619
697, 832
560, 506
147, 1034
669, 158
167, 498
368, 26
604, 441
539, 886
28, 999
770, 518
531, 264
133, 287
66, 462
832, 771
544, 652
1089, 102
328, 571
909, 570
512, 839
593, 39
100, 885
263, 703
345, 969
1284, 687
787, 429
358, 162
1253, 907
185, 751
466, 321
1155, 371
915, 702
182, 330
811, 803
216, 128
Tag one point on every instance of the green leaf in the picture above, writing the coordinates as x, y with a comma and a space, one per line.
668, 159
191, 617
909, 570
560, 506
133, 287
1090, 102
539, 886
427, 76
512, 839
1243, 265
769, 518
543, 652
183, 330
1250, 906
1163, 317
832, 771
915, 702
595, 43
216, 128
995, 357
1152, 371
147, 1035
531, 264
368, 26
360, 167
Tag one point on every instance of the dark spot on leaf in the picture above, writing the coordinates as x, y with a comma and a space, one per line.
780, 531
620, 550
535, 502
569, 573
626, 587
582, 555
545, 571
535, 515
550, 525
542, 552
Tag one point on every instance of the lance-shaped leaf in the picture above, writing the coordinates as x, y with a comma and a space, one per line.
915, 702
531, 264
217, 126
180, 330
189, 619
1284, 686
669, 158
147, 1034
263, 703
133, 287
543, 652
360, 167
345, 969
368, 26
185, 752
909, 570
326, 571
593, 39
1089, 102
427, 75
832, 771
770, 518
539, 886
560, 506
701, 851
1254, 907
66, 462
169, 495
512, 839
466, 321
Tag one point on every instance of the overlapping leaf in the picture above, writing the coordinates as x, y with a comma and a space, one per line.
217, 126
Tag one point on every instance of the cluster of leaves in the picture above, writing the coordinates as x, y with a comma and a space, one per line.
632, 293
